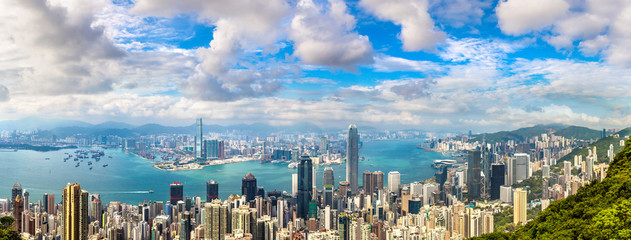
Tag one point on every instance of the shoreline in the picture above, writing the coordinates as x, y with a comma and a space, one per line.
197, 166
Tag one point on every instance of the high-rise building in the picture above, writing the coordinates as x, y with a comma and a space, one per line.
52, 206
377, 178
394, 179
294, 184
567, 170
212, 149
305, 171
474, 179
45, 202
248, 187
198, 139
244, 220
497, 180
16, 191
18, 208
75, 217
367, 179
96, 210
327, 177
352, 157
519, 206
521, 167
212, 190
220, 150
176, 193
217, 220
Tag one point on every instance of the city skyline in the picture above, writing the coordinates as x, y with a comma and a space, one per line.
481, 65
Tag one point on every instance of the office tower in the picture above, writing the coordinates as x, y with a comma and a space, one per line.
187, 203
604, 133
212, 149
18, 208
474, 180
367, 179
510, 172
198, 139
345, 188
294, 184
244, 220
45, 203
352, 157
497, 180
52, 206
414, 205
521, 167
506, 194
327, 177
217, 220
176, 193
212, 190
545, 171
324, 146
343, 225
16, 191
96, 210
75, 217
220, 150
260, 192
567, 170
186, 226
519, 206
305, 171
27, 198
248, 187
394, 179
377, 178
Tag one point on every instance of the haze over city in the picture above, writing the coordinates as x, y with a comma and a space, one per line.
436, 65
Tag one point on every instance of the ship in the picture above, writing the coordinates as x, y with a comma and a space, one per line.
89, 163
76, 165
292, 165
90, 168
105, 165
150, 191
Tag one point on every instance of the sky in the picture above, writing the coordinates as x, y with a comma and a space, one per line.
437, 65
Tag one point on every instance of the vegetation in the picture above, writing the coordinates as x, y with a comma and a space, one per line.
600, 210
534, 185
528, 132
6, 229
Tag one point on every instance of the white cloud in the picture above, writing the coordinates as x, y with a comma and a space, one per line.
417, 27
459, 13
327, 37
4, 93
385, 63
518, 17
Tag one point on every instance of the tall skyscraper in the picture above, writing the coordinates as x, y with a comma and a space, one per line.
328, 182
212, 190
45, 203
497, 180
327, 177
352, 157
305, 171
474, 180
377, 178
212, 149
394, 179
16, 191
519, 206
198, 139
521, 167
567, 170
294, 184
18, 208
75, 217
367, 179
176, 193
217, 220
248, 187
52, 206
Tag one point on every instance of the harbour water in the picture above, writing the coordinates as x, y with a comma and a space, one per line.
128, 178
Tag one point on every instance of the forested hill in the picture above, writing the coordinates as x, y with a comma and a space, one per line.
600, 210
522, 134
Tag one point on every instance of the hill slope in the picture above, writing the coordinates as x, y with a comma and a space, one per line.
600, 210
527, 132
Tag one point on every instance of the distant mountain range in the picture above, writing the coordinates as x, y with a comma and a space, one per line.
63, 128
528, 132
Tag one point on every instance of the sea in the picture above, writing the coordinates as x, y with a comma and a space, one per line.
129, 178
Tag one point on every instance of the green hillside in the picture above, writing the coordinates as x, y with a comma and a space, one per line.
522, 134
579, 133
602, 146
600, 210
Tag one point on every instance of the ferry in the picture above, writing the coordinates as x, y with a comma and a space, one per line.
292, 165
150, 191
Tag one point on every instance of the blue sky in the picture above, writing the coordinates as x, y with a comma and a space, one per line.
436, 65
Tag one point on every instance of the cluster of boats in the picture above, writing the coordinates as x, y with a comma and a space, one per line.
81, 155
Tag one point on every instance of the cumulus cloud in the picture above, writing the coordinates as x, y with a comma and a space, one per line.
459, 13
327, 37
517, 17
414, 89
417, 27
56, 47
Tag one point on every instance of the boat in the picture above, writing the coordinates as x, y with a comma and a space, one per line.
292, 165
46, 158
76, 165
109, 156
150, 191
90, 168
105, 165
89, 163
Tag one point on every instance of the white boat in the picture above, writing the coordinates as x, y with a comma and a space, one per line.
292, 165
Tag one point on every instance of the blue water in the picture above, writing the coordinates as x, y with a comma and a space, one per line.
128, 178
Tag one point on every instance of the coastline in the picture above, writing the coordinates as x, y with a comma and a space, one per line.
197, 166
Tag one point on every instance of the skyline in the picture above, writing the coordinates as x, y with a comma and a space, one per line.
434, 65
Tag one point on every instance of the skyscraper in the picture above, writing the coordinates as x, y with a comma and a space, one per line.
18, 208
521, 166
52, 206
327, 177
519, 206
248, 187
367, 179
305, 171
16, 191
75, 217
212, 149
352, 157
394, 179
198, 139
328, 182
474, 180
212, 190
377, 178
497, 180
567, 170
176, 193
45, 203
217, 220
